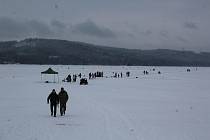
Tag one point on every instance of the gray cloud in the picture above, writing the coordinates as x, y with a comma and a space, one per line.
90, 28
57, 24
10, 28
39, 28
147, 32
190, 25
15, 29
182, 39
164, 33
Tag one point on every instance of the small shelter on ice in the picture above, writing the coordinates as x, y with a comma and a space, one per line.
50, 72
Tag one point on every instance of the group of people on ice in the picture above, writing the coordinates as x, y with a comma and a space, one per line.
55, 99
73, 78
96, 74
70, 78
117, 75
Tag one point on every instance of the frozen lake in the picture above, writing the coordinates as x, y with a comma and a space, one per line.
173, 105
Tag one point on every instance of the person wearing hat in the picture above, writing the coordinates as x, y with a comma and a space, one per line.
63, 98
54, 100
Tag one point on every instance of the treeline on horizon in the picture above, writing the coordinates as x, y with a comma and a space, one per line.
52, 51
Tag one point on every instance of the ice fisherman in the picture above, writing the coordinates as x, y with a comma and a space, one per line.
63, 98
54, 100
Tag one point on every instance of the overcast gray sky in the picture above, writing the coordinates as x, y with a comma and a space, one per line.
142, 24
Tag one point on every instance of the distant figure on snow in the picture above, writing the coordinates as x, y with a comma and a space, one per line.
128, 74
80, 75
68, 79
54, 100
63, 98
90, 75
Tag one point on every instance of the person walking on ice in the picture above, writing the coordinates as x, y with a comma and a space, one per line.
54, 100
63, 98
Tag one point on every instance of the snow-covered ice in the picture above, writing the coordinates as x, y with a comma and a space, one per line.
174, 105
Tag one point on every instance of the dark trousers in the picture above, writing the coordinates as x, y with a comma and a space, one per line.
53, 108
62, 108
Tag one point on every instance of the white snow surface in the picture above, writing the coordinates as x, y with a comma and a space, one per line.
174, 105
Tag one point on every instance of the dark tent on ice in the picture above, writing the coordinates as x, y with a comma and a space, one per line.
50, 71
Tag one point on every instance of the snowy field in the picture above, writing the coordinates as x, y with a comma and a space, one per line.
174, 105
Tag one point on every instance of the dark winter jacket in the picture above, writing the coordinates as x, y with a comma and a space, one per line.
63, 97
53, 98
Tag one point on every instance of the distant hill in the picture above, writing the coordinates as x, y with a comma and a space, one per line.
52, 51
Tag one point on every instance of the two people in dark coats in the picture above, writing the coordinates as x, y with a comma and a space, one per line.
55, 99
